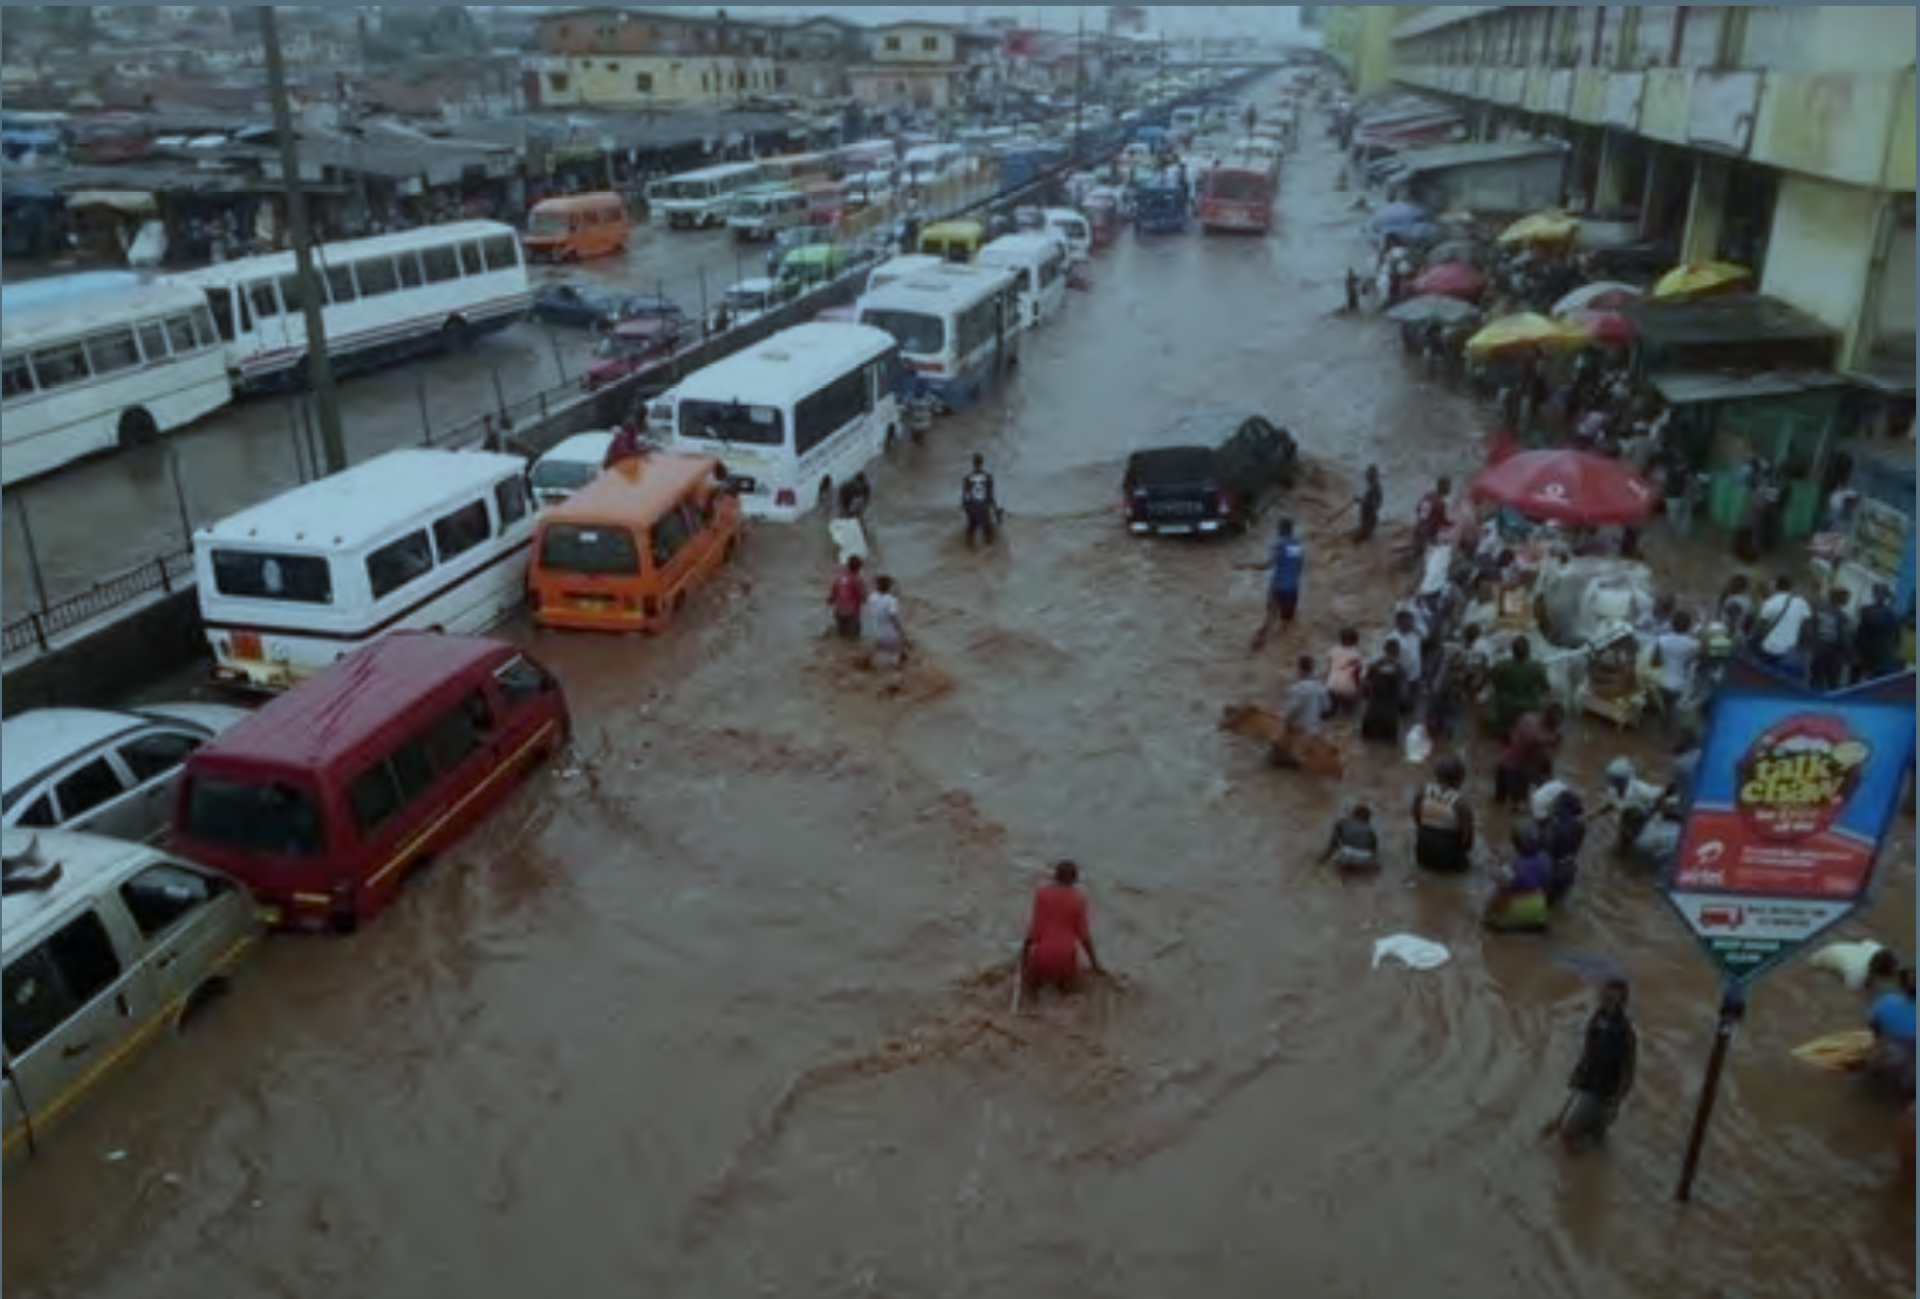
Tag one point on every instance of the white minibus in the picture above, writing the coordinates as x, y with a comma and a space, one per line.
900, 268
387, 298
1040, 261
697, 199
757, 215
101, 367
418, 540
792, 418
957, 327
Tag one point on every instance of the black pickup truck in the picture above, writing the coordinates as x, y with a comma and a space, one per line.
1207, 485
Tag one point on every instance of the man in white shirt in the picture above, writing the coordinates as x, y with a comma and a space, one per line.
1677, 651
1780, 624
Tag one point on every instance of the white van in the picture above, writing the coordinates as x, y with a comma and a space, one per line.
900, 268
106, 944
931, 164
760, 214
568, 468
792, 418
1072, 229
419, 540
1039, 260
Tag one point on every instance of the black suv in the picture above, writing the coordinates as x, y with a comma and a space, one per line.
1212, 484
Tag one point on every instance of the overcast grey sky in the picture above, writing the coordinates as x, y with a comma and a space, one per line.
1216, 20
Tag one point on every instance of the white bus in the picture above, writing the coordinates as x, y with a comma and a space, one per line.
902, 267
696, 199
794, 417
101, 366
387, 298
1040, 262
957, 327
417, 540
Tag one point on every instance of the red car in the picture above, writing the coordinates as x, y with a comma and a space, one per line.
635, 346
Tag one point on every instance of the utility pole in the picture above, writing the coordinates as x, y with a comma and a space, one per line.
1079, 83
333, 447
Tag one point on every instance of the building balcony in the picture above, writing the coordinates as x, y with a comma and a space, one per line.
1855, 128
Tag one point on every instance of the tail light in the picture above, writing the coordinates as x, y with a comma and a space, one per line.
650, 608
1223, 504
784, 499
246, 645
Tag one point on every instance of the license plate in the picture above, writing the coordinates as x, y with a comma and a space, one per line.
745, 486
270, 916
591, 601
1179, 529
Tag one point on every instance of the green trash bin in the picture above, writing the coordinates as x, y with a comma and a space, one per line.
1727, 501
1801, 517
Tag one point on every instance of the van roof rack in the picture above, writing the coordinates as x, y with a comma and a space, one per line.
28, 872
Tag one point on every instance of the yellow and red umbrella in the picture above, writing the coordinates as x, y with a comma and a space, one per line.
1541, 228
1697, 279
1524, 330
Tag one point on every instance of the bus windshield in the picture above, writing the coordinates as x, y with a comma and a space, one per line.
589, 551
917, 334
731, 422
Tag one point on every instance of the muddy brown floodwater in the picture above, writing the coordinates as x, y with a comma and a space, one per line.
719, 1006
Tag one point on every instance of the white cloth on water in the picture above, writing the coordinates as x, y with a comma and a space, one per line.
1848, 960
851, 539
1415, 953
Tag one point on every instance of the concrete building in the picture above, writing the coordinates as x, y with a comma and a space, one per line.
1777, 137
914, 65
1360, 40
646, 59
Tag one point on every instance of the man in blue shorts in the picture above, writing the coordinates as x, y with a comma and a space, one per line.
1285, 567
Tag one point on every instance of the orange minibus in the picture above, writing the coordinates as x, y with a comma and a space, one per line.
624, 554
577, 227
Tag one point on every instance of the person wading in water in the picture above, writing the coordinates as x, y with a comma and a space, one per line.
1604, 1078
980, 503
1443, 826
1056, 935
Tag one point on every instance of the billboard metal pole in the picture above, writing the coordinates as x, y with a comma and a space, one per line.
1733, 1008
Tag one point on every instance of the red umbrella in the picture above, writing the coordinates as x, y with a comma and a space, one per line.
1607, 328
1451, 280
1571, 487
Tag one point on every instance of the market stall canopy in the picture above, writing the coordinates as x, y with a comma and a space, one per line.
1604, 328
1743, 319
1607, 295
1419, 311
1574, 488
1465, 251
1697, 278
1541, 228
1523, 330
1451, 280
1705, 387
131, 202
1396, 216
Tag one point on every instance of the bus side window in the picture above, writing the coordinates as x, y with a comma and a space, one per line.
153, 341
16, 379
510, 498
408, 264
440, 264
265, 300
221, 300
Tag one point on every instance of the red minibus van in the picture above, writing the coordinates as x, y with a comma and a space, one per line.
324, 800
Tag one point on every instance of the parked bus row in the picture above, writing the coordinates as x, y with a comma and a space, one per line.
94, 362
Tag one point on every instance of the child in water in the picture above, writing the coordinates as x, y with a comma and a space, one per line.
1354, 844
1519, 905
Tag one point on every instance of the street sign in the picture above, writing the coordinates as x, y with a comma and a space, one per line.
1793, 796
1747, 936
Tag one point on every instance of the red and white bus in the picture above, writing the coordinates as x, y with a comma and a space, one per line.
1236, 199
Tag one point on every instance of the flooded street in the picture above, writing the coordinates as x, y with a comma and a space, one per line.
719, 1006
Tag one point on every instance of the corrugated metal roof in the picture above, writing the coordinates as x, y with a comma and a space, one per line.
1418, 162
1739, 318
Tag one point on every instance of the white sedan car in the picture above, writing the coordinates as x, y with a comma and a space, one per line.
107, 773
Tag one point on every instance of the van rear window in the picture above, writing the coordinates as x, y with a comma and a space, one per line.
917, 334
589, 551
272, 818
252, 575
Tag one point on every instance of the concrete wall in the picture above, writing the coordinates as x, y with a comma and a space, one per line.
1820, 251
151, 641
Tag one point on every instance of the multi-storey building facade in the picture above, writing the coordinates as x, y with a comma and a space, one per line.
1779, 137
638, 58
